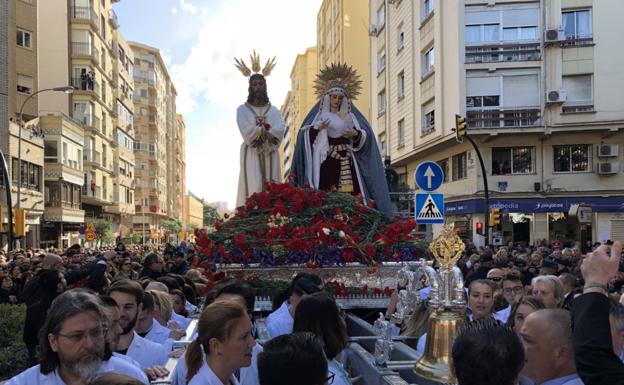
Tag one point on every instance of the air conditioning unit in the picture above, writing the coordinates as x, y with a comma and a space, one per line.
372, 30
554, 35
608, 168
556, 96
607, 150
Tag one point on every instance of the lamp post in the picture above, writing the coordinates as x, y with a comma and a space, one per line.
67, 90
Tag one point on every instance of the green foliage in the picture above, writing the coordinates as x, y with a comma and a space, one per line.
136, 238
103, 232
13, 352
172, 225
210, 216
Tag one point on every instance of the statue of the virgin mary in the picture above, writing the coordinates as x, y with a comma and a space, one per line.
336, 147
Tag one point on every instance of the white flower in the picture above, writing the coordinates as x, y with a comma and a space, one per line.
326, 231
341, 234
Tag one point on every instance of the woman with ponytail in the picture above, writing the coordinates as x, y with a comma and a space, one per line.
224, 344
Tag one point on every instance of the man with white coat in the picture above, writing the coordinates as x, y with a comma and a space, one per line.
128, 295
73, 345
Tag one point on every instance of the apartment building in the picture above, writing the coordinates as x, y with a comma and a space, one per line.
538, 83
155, 122
179, 176
18, 82
81, 45
342, 37
63, 178
195, 212
298, 103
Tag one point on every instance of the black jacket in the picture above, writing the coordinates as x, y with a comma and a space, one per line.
596, 363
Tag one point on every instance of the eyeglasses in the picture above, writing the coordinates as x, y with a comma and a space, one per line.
95, 334
330, 378
127, 264
515, 290
496, 279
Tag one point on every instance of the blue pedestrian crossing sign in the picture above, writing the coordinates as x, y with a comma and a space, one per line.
429, 208
429, 176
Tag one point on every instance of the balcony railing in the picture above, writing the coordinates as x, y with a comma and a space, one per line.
508, 52
86, 84
503, 118
91, 156
112, 18
89, 120
85, 13
86, 49
92, 192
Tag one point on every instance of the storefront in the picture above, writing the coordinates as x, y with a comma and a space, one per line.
533, 219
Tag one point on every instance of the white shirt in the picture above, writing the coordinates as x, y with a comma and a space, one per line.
248, 375
503, 315
205, 376
181, 320
160, 335
114, 364
341, 377
280, 321
147, 353
127, 359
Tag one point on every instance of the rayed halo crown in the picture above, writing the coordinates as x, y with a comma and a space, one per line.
255, 65
338, 76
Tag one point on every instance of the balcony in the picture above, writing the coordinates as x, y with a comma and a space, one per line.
112, 19
92, 192
86, 84
506, 52
79, 13
86, 49
90, 121
91, 156
503, 118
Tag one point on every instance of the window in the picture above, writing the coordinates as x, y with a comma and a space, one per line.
30, 174
381, 16
482, 101
428, 61
24, 84
427, 9
382, 143
401, 133
428, 123
381, 61
520, 33
577, 24
401, 85
400, 40
143, 93
579, 89
482, 33
572, 158
381, 102
444, 166
514, 160
50, 151
459, 166
24, 38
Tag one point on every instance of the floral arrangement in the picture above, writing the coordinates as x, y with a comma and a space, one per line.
292, 225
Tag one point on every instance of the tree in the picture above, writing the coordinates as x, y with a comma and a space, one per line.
103, 232
137, 238
172, 225
210, 216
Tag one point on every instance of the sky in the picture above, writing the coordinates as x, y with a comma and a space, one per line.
198, 40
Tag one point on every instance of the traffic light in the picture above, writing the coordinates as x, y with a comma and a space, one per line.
460, 127
20, 222
495, 217
479, 228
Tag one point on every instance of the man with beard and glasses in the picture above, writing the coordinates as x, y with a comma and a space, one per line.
128, 295
262, 128
73, 345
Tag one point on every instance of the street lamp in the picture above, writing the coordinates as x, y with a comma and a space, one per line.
67, 90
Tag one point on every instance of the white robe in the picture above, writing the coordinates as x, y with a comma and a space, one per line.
33, 376
147, 353
250, 179
160, 335
280, 321
205, 376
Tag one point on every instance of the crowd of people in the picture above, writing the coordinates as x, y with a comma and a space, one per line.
112, 316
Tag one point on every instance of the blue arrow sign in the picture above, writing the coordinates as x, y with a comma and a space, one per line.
429, 176
429, 208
